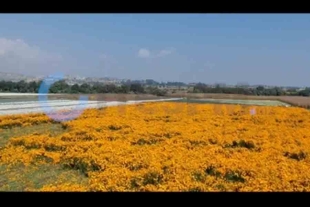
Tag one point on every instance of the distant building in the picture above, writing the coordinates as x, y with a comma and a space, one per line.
301, 89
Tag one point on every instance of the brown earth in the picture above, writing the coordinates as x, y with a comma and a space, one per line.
292, 100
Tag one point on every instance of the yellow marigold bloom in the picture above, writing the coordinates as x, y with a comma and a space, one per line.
172, 147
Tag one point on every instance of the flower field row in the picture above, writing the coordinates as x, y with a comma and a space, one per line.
26, 107
174, 147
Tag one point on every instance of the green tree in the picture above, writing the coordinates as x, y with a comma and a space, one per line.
136, 88
75, 88
85, 88
59, 87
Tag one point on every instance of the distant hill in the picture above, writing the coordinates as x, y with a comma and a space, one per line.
14, 76
73, 79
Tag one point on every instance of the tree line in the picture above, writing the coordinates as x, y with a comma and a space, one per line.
138, 88
62, 87
258, 91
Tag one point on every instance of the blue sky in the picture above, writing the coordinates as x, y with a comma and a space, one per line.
269, 49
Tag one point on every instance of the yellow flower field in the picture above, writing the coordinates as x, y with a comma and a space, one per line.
170, 147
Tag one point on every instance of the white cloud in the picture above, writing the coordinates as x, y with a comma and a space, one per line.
18, 56
144, 53
17, 47
165, 52
21, 49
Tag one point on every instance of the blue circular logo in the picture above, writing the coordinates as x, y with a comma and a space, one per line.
52, 113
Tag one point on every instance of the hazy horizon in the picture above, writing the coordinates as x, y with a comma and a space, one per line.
268, 49
186, 82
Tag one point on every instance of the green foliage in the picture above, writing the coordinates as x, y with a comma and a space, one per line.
212, 171
305, 92
258, 91
234, 177
156, 91
241, 143
62, 87
152, 178
296, 156
136, 88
